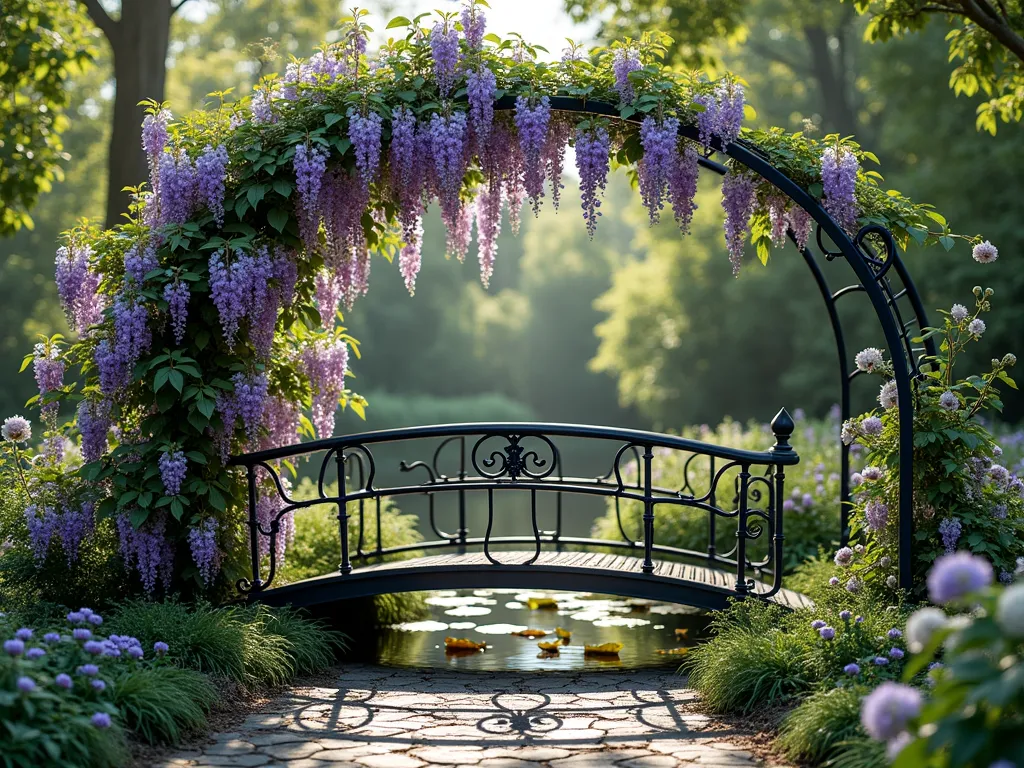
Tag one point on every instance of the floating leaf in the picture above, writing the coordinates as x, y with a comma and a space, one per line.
549, 647
563, 634
673, 651
463, 644
682, 631
531, 633
605, 649
542, 604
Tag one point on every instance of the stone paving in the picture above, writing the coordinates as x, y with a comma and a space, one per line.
395, 718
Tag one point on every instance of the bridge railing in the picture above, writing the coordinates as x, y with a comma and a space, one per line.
740, 488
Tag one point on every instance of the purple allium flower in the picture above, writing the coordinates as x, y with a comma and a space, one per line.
89, 670
852, 669
98, 685
626, 60
34, 653
481, 85
956, 575
101, 720
859, 619
950, 529
869, 359
844, 556
16, 430
871, 426
854, 585
94, 647
23, 634
51, 637
64, 681
888, 395
160, 648
827, 633
845, 615
887, 709
948, 401
894, 633
738, 201
877, 515
838, 179
592, 149
817, 624
309, 163
788, 505
532, 120
872, 473
172, 471
14, 647
95, 619
81, 633
75, 617
474, 25
444, 48
959, 313
211, 170
880, 661
26, 684
834, 581
985, 253
202, 541
976, 327
895, 653
856, 479
135, 652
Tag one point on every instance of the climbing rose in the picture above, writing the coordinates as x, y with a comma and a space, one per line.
16, 430
626, 60
738, 202
985, 253
869, 359
957, 575
887, 709
592, 163
838, 179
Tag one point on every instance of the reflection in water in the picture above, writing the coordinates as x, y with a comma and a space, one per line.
642, 627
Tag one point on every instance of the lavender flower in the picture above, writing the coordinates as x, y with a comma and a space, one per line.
957, 575
887, 709
626, 60
444, 48
838, 178
985, 253
950, 529
173, 466
738, 202
211, 171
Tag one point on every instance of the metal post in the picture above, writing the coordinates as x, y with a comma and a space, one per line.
346, 564
741, 532
712, 517
648, 566
463, 530
254, 530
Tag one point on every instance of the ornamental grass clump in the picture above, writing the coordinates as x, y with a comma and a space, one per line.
965, 498
816, 730
206, 324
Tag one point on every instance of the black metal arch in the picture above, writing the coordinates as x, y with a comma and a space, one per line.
874, 279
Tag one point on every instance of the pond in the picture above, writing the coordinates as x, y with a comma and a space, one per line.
651, 634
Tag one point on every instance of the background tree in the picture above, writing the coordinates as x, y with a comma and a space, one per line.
43, 45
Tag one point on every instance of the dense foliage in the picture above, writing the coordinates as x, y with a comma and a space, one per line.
206, 323
43, 45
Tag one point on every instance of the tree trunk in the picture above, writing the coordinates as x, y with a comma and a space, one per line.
838, 112
139, 41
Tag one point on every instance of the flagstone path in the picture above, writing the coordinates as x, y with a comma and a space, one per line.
396, 718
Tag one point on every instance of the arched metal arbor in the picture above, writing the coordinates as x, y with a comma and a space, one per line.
882, 277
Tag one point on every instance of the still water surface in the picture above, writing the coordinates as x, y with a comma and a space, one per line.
643, 627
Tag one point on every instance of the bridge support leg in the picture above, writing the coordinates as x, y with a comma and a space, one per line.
648, 566
346, 562
741, 533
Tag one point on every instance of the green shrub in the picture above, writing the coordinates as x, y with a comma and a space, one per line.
813, 731
158, 704
750, 661
311, 646
860, 753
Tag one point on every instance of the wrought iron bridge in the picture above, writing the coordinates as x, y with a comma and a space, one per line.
732, 493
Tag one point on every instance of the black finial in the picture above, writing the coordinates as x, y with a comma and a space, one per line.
782, 427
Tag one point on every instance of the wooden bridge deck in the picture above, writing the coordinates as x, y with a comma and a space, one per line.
563, 571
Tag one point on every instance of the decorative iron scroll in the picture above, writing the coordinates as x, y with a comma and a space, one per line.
495, 458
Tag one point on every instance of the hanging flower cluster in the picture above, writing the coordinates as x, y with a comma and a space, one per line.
208, 321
